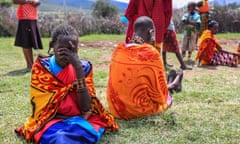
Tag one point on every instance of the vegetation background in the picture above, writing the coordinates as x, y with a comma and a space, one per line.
206, 111
104, 17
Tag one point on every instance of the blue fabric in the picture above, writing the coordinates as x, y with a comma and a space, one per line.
74, 130
53, 67
124, 19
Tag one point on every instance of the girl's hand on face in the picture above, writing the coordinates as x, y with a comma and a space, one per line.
68, 55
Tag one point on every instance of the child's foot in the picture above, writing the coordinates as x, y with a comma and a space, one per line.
168, 65
186, 67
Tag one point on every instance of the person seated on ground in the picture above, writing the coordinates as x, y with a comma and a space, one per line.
210, 51
137, 85
170, 44
65, 108
238, 51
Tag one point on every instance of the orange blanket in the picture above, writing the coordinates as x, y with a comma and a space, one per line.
207, 45
137, 83
47, 92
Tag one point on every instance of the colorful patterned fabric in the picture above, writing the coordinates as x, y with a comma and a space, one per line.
211, 56
137, 85
238, 51
74, 130
225, 59
159, 10
27, 12
170, 42
46, 95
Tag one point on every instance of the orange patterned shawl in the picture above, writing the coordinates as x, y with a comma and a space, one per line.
207, 46
46, 94
137, 84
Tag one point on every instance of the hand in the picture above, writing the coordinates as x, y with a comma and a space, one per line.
68, 56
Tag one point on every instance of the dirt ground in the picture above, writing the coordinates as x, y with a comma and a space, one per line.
227, 44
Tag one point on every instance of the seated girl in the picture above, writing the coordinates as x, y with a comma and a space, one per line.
65, 108
210, 51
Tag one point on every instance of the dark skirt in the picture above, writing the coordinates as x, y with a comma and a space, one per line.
28, 35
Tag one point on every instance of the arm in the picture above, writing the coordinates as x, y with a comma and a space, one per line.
224, 51
83, 96
200, 59
84, 99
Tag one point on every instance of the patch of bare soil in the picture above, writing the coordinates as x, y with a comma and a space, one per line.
103, 44
227, 44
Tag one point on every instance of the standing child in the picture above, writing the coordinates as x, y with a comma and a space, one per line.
191, 21
170, 44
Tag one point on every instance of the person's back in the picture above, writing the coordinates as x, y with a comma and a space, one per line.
137, 85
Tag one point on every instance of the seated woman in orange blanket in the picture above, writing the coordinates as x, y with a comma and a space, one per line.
210, 51
65, 108
137, 84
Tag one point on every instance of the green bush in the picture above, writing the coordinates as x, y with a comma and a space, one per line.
111, 26
8, 22
84, 21
103, 8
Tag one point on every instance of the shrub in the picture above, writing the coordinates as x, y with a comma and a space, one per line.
84, 23
46, 23
103, 8
111, 26
8, 21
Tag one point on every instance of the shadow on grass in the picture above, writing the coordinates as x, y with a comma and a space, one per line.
209, 67
18, 72
165, 120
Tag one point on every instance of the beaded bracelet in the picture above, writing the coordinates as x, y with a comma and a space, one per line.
81, 83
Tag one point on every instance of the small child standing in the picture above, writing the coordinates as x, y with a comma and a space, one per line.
191, 21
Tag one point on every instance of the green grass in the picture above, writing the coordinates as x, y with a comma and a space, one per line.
206, 111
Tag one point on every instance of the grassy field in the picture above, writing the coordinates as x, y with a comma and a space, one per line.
206, 111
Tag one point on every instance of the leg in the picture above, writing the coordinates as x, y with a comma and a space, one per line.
180, 59
183, 54
175, 80
164, 57
189, 54
28, 54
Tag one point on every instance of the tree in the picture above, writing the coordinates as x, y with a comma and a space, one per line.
103, 8
5, 3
